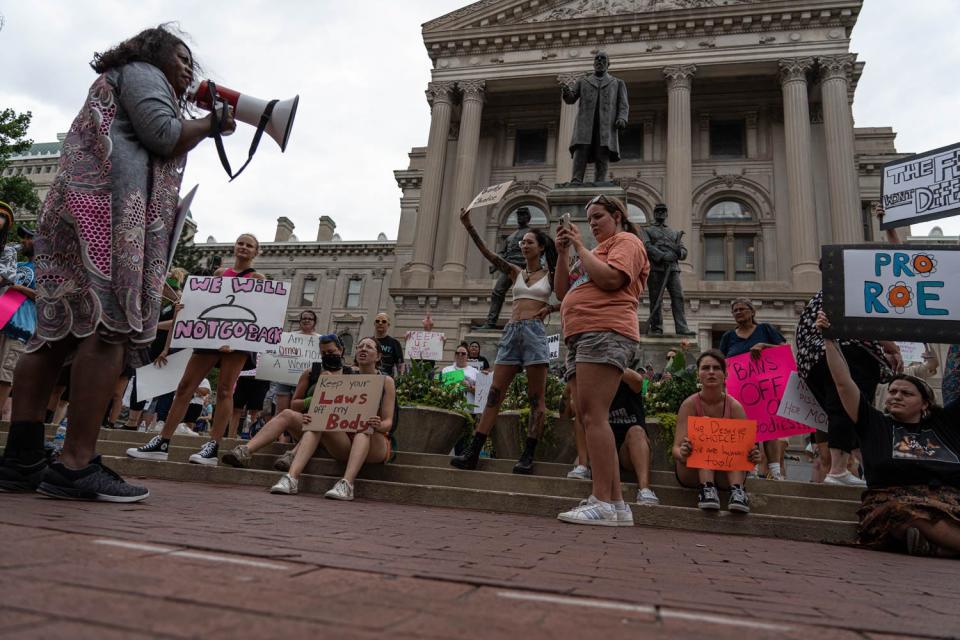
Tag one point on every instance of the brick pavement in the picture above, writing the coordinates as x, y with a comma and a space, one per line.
358, 569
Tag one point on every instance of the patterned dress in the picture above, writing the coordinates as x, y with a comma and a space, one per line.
106, 225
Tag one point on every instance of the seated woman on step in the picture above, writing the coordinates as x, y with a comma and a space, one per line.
711, 401
911, 459
356, 449
290, 420
524, 342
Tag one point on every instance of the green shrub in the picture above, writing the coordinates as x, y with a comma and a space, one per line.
668, 429
517, 400
419, 386
666, 396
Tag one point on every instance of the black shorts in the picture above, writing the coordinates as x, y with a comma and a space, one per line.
193, 412
620, 433
250, 393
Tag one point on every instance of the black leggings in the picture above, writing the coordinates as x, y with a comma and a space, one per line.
865, 371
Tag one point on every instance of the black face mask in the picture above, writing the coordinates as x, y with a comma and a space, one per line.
332, 361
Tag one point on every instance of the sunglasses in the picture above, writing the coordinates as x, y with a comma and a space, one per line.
605, 201
461, 353
380, 322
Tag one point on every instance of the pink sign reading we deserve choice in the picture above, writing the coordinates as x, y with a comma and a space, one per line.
759, 386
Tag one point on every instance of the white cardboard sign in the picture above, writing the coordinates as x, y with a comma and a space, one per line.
901, 283
921, 187
490, 195
799, 405
424, 345
912, 352
553, 343
153, 381
481, 390
295, 354
241, 313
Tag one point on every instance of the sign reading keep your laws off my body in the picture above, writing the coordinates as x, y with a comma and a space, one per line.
899, 292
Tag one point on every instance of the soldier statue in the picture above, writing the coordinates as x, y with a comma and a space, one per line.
601, 115
665, 250
512, 254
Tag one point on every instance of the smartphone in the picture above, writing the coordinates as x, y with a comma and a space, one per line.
565, 221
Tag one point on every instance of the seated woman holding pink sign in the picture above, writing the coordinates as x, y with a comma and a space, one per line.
373, 445
911, 456
711, 401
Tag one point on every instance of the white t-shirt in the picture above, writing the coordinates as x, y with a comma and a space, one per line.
197, 398
469, 373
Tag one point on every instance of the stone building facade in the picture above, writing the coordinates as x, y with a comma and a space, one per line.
39, 165
740, 121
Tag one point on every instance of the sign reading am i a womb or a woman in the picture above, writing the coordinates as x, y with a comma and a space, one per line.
241, 313
892, 292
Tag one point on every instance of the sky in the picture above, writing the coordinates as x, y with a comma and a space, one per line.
360, 69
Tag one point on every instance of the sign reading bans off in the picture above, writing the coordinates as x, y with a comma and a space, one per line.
344, 403
721, 444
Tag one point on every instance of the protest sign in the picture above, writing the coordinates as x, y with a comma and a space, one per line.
553, 344
481, 391
490, 195
295, 354
423, 345
456, 376
922, 187
912, 352
759, 385
721, 444
244, 314
153, 381
344, 403
10, 301
881, 291
799, 405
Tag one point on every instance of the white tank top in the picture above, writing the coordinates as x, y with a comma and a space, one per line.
539, 290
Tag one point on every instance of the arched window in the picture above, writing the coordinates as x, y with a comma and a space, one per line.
347, 339
730, 233
636, 214
538, 217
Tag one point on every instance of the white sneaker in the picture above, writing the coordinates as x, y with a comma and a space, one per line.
286, 485
846, 478
343, 490
592, 512
624, 515
647, 497
207, 454
157, 427
580, 472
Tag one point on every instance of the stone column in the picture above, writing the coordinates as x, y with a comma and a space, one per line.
454, 266
421, 267
842, 175
803, 219
679, 159
568, 116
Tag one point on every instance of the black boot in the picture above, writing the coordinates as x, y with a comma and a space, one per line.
525, 463
471, 455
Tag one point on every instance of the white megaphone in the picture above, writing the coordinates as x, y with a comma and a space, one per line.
252, 110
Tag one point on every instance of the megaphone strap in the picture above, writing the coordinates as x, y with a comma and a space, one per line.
216, 127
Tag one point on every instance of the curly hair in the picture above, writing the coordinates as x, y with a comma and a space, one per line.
156, 46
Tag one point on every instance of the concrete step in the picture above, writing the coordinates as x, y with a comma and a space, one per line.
669, 494
755, 524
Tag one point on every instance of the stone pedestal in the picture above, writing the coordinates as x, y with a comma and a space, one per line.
572, 199
653, 349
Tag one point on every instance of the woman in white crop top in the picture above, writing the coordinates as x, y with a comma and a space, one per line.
524, 341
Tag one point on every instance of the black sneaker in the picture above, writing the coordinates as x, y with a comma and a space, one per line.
156, 449
95, 482
16, 477
207, 454
524, 465
739, 500
708, 498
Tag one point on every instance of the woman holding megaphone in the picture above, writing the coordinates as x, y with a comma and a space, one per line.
101, 253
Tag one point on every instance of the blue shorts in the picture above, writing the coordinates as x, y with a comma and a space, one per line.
524, 343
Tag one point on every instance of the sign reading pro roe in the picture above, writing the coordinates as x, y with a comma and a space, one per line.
901, 283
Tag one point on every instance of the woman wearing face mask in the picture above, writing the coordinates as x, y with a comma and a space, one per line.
911, 459
101, 253
711, 401
371, 446
201, 363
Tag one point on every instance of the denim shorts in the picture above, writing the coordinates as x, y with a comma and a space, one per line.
278, 388
524, 342
599, 347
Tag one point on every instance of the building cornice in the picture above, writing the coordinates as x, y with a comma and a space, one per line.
282, 249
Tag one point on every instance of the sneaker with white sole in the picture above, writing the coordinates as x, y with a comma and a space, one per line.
286, 484
580, 472
592, 512
846, 478
646, 496
343, 490
238, 457
95, 482
708, 499
207, 454
157, 427
156, 449
624, 515
739, 500
283, 462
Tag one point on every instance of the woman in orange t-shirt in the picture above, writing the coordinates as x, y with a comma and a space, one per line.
601, 331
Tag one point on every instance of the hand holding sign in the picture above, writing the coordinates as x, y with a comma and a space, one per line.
490, 195
721, 444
